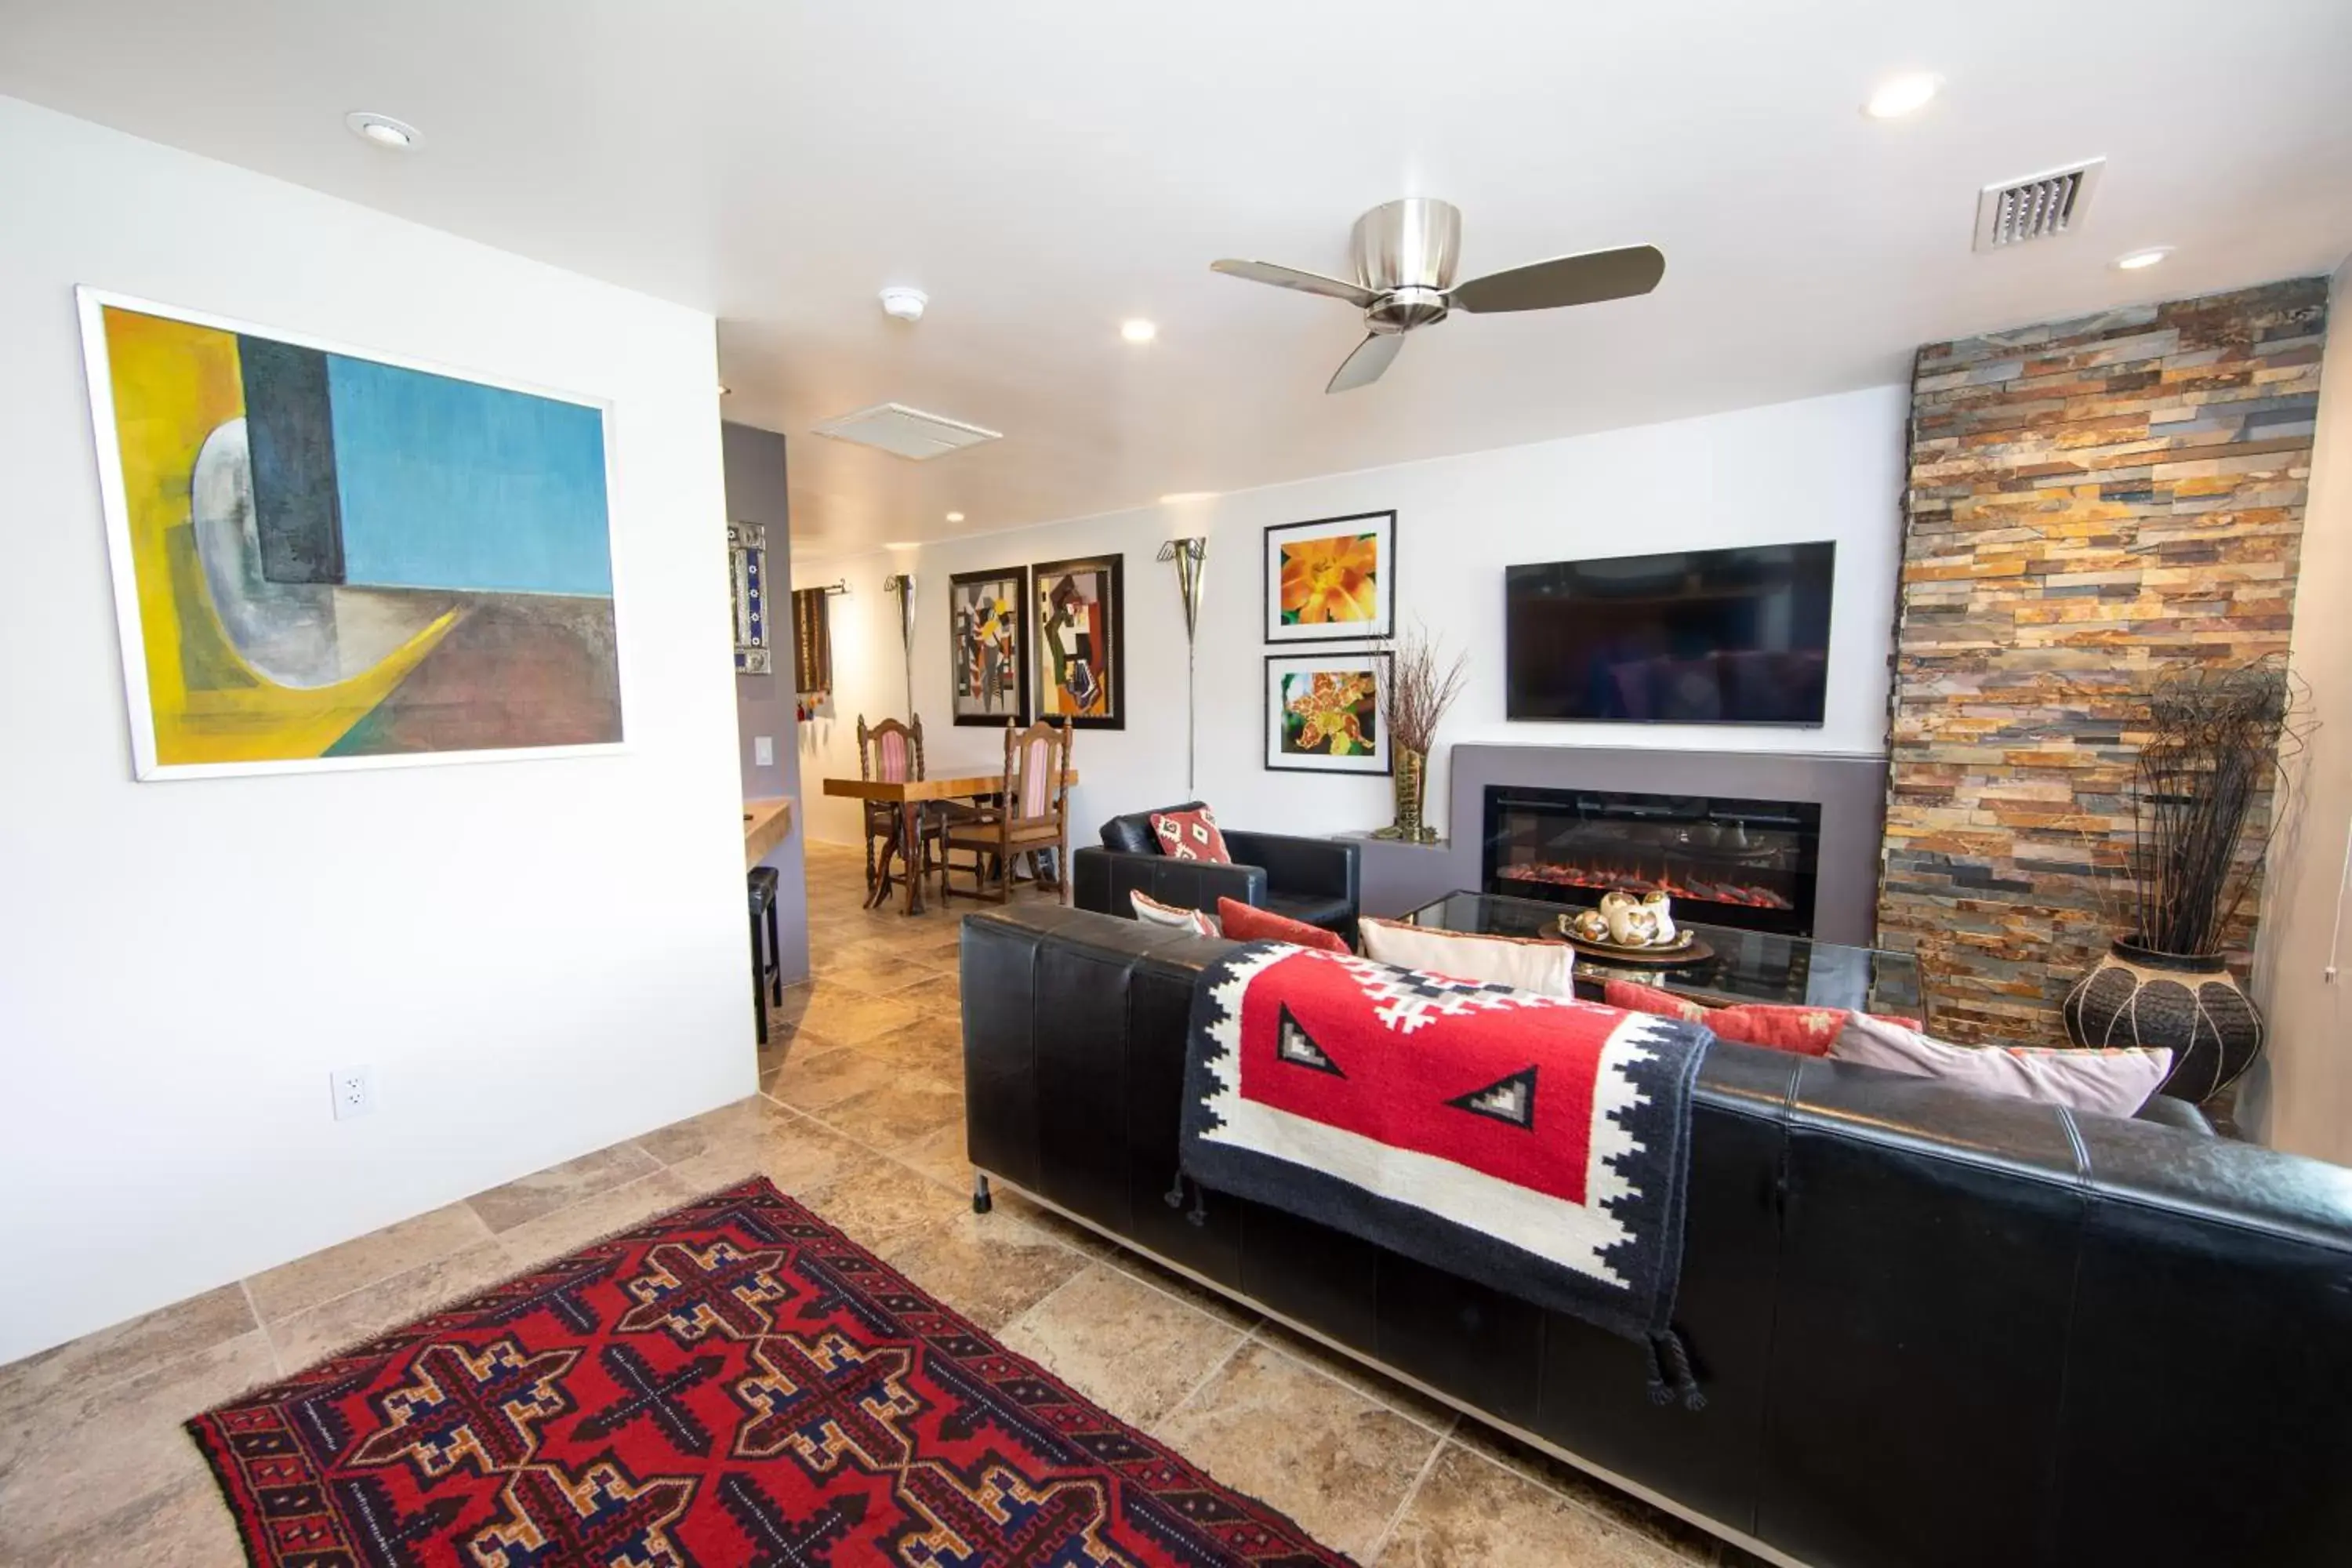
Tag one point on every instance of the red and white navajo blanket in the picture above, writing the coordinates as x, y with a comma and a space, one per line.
1536, 1144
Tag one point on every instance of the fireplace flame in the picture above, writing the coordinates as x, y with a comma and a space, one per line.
1641, 879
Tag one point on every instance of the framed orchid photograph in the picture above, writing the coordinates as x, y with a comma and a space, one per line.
1331, 580
1323, 713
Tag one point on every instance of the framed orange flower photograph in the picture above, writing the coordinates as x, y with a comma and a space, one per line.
1323, 713
1331, 580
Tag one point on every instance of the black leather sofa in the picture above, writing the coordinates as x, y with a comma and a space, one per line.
1934, 1329
1317, 880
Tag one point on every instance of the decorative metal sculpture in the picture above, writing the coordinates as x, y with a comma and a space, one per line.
902, 584
747, 544
1188, 555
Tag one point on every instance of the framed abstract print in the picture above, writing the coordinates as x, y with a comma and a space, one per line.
1331, 580
988, 651
1323, 713
1081, 625
329, 558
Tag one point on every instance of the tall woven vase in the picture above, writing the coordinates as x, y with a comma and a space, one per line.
2191, 1004
1411, 780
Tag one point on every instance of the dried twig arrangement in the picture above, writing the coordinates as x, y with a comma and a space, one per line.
1422, 686
2207, 799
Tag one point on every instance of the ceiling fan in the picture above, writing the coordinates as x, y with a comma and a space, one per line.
1404, 252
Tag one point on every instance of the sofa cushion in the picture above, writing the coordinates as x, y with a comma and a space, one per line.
1132, 832
1527, 963
1190, 836
1800, 1031
2113, 1082
1241, 922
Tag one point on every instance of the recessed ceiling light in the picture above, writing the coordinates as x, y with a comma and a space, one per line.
2132, 261
955, 517
384, 131
1138, 330
901, 544
1180, 496
905, 304
1902, 95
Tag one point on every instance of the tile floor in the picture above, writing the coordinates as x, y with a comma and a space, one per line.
860, 1115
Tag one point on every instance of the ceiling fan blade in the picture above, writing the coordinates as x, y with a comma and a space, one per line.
1364, 366
1565, 280
1283, 277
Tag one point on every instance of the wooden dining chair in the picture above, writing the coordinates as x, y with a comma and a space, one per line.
1031, 820
892, 752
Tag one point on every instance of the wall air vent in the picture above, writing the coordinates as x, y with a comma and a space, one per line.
906, 432
2040, 206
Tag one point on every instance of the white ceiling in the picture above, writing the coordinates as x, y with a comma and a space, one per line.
1044, 168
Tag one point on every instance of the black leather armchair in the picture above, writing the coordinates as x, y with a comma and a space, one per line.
1317, 880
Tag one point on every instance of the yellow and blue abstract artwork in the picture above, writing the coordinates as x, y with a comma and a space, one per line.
323, 559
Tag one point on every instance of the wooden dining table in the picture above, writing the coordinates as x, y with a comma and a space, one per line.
907, 795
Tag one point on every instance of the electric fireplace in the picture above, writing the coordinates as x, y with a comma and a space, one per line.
1723, 860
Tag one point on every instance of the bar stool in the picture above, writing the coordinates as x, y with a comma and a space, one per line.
767, 963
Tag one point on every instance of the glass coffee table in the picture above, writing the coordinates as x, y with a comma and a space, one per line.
1745, 966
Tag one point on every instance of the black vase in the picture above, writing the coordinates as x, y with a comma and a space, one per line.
2188, 1005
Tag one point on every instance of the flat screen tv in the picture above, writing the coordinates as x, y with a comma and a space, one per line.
1699, 636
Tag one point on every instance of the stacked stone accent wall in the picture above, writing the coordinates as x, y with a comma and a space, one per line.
2091, 503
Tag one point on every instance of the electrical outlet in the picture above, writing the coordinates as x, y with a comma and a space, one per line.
354, 1091
764, 750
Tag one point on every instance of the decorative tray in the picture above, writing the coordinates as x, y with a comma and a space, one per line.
1685, 948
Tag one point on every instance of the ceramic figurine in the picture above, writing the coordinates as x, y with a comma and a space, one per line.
1591, 925
1636, 921
1660, 907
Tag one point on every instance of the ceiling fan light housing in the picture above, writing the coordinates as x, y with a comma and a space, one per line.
1409, 244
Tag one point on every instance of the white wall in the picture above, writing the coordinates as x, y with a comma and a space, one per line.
2302, 1102
537, 958
1828, 468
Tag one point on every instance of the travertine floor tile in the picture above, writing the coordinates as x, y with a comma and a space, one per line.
939, 1156
1471, 1512
1132, 1350
728, 1126
878, 1203
911, 1107
128, 1349
846, 1015
1619, 1507
1407, 1402
544, 1191
338, 1270
550, 1235
185, 1525
991, 1269
875, 974
338, 1325
813, 1082
67, 1461
1338, 1462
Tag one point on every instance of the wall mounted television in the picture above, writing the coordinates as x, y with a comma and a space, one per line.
1699, 637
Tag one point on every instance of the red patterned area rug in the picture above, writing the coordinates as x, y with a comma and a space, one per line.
733, 1385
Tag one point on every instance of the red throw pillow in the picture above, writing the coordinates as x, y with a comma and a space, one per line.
1635, 997
1248, 922
1190, 836
1802, 1031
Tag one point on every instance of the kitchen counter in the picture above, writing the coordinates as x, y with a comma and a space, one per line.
766, 824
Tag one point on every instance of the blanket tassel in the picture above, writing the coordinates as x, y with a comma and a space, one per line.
1174, 1198
1671, 1377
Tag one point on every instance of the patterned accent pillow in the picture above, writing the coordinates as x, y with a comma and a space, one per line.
2111, 1082
1248, 922
1151, 911
1524, 964
1801, 1031
1190, 836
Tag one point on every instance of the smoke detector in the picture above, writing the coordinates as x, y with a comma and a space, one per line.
904, 304
2039, 206
906, 432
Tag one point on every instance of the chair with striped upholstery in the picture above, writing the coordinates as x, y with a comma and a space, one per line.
893, 753
1032, 822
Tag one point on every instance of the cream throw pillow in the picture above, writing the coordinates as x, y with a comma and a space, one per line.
2104, 1082
1546, 968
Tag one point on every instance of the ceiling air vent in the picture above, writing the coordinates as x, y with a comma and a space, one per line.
2040, 206
906, 432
